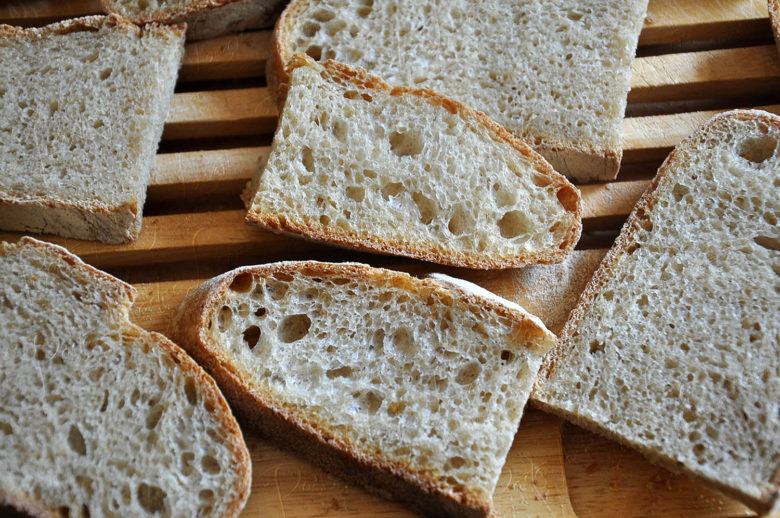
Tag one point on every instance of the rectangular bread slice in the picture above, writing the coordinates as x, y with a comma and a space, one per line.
410, 388
99, 417
82, 108
674, 347
554, 73
204, 18
357, 163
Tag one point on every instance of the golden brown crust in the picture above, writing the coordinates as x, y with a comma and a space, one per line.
621, 247
123, 295
90, 23
168, 16
568, 195
315, 440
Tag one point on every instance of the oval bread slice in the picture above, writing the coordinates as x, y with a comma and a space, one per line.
357, 163
99, 417
410, 388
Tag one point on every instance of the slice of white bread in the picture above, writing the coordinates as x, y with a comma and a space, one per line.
674, 347
357, 163
99, 417
204, 18
554, 73
410, 388
82, 108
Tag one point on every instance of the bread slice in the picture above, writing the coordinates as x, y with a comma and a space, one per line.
410, 388
673, 348
99, 417
82, 107
774, 18
204, 18
401, 171
555, 74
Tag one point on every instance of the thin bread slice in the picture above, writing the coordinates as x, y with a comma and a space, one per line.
410, 388
554, 73
394, 170
204, 18
674, 347
82, 108
99, 417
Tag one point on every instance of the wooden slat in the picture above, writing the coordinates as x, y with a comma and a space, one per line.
233, 56
651, 138
195, 174
606, 205
221, 113
674, 21
698, 75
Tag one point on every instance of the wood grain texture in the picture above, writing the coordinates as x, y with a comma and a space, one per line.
234, 56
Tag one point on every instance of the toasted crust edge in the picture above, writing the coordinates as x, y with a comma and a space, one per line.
568, 195
770, 498
292, 429
123, 295
580, 162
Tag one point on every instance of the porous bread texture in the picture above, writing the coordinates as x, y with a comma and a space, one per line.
408, 172
204, 18
97, 416
82, 108
674, 348
774, 18
406, 377
555, 73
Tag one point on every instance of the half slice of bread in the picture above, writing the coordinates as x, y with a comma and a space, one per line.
554, 73
97, 416
674, 347
357, 163
410, 388
204, 18
82, 108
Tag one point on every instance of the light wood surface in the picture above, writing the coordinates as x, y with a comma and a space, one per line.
697, 58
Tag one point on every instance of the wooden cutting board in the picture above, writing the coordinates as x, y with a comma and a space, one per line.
696, 58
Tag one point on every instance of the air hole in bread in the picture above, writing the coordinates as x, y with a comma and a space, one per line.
456, 462
461, 221
363, 12
768, 242
356, 193
210, 465
392, 189
335, 26
541, 180
426, 207
251, 336
307, 159
351, 94
568, 198
191, 391
514, 223
468, 373
6, 428
393, 409
596, 346
76, 440
105, 74
276, 290
154, 416
369, 400
323, 15
224, 318
310, 29
294, 327
340, 372
186, 463
759, 149
242, 283
151, 498
314, 52
507, 356
406, 144
404, 342
339, 130
679, 191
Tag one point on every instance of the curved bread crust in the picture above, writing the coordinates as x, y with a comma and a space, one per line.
122, 295
595, 286
774, 18
90, 220
316, 441
577, 160
207, 18
568, 195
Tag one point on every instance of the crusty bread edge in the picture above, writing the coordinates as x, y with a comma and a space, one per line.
208, 18
567, 194
622, 246
122, 295
580, 162
293, 430
774, 18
